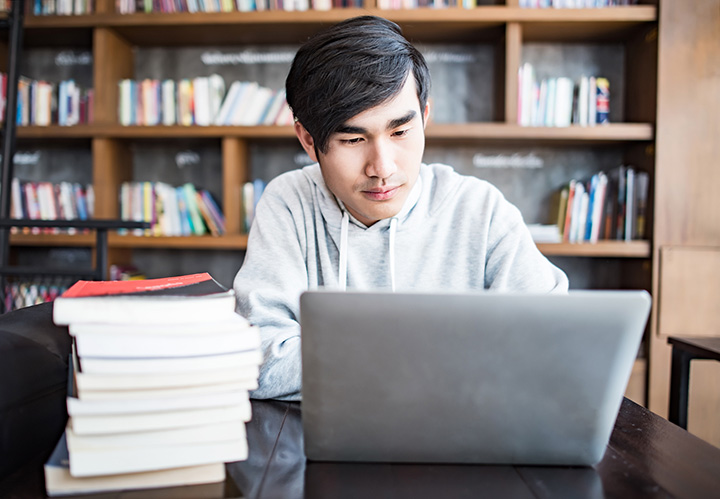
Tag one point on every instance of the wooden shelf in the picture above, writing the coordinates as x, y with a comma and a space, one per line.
230, 242
601, 249
472, 132
604, 249
419, 25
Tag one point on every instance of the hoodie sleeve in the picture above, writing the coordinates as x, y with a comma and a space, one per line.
513, 261
268, 286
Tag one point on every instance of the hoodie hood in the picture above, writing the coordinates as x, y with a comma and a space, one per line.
339, 219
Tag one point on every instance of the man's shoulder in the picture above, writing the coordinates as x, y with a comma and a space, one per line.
444, 179
294, 183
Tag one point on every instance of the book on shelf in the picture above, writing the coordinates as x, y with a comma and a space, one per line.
561, 102
608, 206
574, 4
152, 396
20, 293
201, 101
43, 103
172, 211
203, 480
168, 300
48, 201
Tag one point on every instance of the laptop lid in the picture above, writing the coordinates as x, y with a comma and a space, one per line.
466, 378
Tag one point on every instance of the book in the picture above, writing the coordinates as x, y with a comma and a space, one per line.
95, 461
87, 383
128, 423
78, 408
168, 300
59, 481
193, 434
169, 365
246, 383
119, 344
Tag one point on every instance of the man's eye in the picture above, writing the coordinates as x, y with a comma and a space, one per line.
355, 140
401, 133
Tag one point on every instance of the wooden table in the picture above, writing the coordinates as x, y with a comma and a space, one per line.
647, 457
683, 351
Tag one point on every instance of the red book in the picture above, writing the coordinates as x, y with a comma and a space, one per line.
170, 300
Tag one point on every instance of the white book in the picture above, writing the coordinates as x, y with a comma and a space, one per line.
598, 206
172, 382
527, 80
80, 407
257, 106
550, 106
216, 92
125, 102
129, 308
563, 101
222, 117
101, 365
168, 103
213, 325
592, 101
575, 213
201, 100
16, 197
94, 462
581, 227
275, 107
166, 345
59, 481
128, 423
230, 430
630, 204
582, 102
247, 384
243, 102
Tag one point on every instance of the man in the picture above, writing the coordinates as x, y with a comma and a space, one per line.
369, 214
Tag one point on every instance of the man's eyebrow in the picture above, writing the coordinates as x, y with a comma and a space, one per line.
392, 124
401, 121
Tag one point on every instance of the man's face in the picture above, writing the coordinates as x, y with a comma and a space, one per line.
373, 162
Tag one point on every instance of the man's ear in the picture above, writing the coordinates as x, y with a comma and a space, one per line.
426, 113
306, 140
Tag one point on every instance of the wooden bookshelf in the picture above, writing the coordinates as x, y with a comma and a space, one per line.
496, 132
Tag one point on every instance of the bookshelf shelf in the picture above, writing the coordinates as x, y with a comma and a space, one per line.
505, 132
420, 25
230, 242
602, 249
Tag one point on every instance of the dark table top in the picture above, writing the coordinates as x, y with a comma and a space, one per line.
707, 348
647, 457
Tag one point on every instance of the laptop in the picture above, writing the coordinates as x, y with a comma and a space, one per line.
466, 378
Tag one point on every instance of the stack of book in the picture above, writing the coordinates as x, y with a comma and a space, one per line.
158, 392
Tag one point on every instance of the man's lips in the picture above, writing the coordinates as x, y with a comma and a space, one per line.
381, 193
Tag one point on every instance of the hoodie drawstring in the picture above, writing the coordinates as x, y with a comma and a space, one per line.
342, 270
391, 251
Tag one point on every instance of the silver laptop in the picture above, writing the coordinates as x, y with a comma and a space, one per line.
466, 378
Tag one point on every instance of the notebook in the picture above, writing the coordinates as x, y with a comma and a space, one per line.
466, 378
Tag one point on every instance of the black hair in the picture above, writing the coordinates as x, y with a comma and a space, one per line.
353, 66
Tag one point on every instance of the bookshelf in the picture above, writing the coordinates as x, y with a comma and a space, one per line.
115, 40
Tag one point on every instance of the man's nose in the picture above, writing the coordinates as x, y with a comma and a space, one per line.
381, 160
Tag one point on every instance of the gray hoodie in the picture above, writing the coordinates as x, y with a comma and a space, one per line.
454, 233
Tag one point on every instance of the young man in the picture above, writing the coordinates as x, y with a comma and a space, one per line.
369, 214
